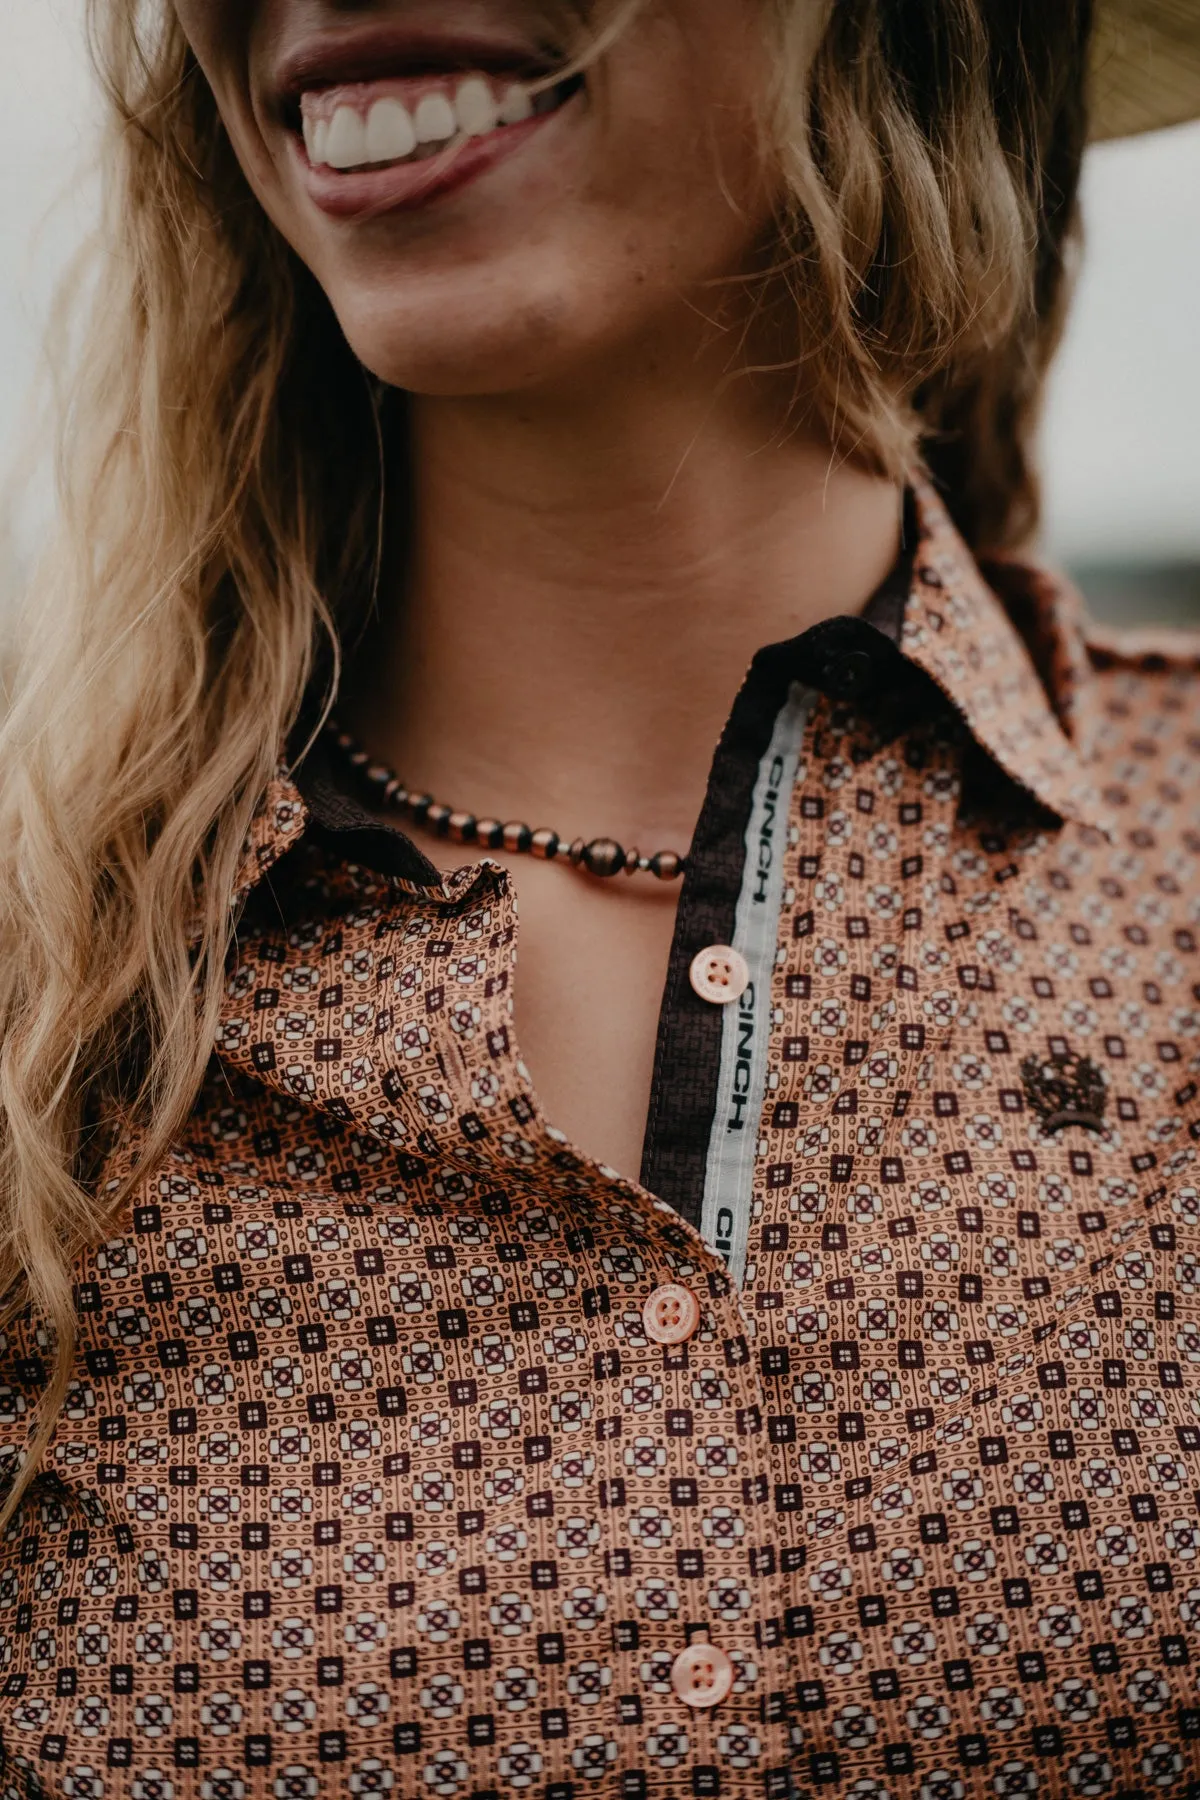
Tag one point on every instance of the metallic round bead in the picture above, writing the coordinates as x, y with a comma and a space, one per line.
544, 844
666, 865
437, 818
462, 826
517, 838
489, 833
576, 851
419, 805
603, 857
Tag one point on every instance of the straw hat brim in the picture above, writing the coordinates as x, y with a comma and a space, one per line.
1145, 65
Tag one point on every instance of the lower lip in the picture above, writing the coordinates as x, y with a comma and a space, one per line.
405, 187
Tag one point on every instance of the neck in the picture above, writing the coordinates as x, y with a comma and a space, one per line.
582, 589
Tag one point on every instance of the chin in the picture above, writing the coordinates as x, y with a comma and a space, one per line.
472, 364
481, 341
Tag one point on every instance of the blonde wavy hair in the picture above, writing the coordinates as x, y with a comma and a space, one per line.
220, 471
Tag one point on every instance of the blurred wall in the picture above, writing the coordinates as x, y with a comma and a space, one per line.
1121, 440
47, 205
1122, 430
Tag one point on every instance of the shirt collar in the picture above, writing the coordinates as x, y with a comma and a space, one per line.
1033, 718
1008, 649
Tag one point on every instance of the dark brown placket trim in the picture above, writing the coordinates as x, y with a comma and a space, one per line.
687, 1055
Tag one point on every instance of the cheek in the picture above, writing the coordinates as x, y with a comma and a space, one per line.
197, 21
219, 34
226, 38
685, 142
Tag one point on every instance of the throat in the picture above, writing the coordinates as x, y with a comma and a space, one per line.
567, 611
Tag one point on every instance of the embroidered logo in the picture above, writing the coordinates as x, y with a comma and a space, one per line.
1065, 1090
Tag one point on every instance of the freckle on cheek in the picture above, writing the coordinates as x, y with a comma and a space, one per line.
542, 323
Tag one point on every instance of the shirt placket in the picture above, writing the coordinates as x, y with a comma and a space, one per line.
686, 1509
674, 1423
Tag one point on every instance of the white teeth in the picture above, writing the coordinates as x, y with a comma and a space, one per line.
435, 120
390, 133
316, 139
516, 105
475, 106
347, 145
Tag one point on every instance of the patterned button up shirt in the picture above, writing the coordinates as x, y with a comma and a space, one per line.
373, 1481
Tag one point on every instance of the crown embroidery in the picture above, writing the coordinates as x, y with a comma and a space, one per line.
1065, 1090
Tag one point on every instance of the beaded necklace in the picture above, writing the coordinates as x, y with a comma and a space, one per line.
601, 856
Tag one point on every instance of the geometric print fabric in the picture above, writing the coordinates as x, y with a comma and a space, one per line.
371, 1482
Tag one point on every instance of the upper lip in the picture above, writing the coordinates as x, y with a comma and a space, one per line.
350, 56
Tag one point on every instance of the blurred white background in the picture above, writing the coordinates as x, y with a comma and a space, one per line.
1122, 433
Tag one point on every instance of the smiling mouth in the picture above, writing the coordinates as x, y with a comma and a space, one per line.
379, 124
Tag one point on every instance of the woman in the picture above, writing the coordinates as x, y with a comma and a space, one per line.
503, 380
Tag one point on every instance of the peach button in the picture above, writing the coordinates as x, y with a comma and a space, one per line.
719, 974
671, 1314
702, 1675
